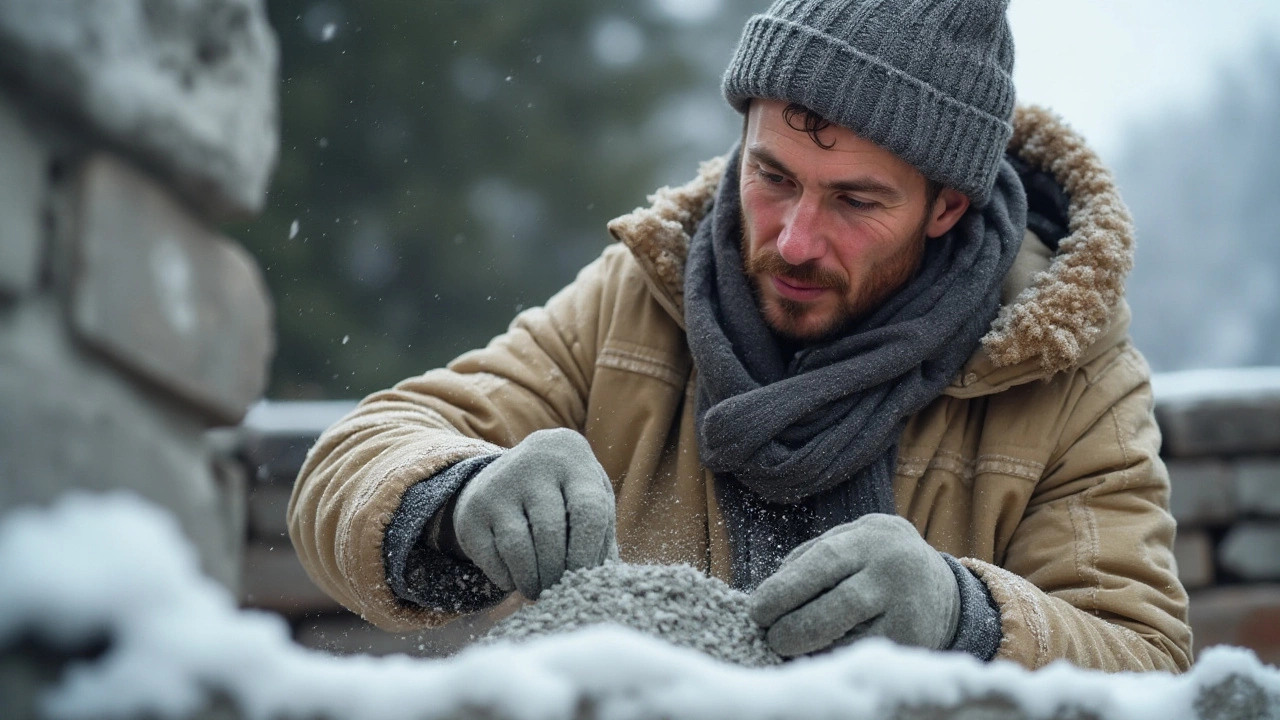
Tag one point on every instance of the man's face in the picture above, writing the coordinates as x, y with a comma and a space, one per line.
829, 233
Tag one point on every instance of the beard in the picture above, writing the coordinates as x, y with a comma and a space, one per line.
802, 321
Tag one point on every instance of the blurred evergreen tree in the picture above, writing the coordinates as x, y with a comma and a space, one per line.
446, 163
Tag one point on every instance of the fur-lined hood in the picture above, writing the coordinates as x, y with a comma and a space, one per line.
1060, 309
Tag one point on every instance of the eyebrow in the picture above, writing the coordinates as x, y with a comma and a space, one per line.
862, 185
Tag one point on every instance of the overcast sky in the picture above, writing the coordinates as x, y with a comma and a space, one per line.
1104, 64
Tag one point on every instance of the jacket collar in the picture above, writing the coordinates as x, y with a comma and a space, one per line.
1060, 309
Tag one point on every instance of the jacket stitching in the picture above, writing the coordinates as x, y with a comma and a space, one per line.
1127, 355
639, 352
1123, 355
1095, 551
1083, 529
1124, 455
651, 365
1077, 539
345, 544
957, 464
1026, 469
633, 362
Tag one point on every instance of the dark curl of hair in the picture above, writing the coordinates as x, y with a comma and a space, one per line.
809, 122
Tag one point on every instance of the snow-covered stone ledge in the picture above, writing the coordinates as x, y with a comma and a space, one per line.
116, 573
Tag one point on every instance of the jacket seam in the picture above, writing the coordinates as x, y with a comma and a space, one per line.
619, 359
1128, 464
1120, 441
956, 463
639, 352
1073, 514
345, 544
1125, 354
1083, 529
661, 291
1025, 469
1095, 552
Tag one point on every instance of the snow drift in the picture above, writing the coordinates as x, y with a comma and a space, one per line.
113, 566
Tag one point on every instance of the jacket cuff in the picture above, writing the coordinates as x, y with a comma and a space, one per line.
418, 570
978, 631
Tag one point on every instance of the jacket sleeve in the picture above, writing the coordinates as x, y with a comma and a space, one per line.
536, 375
1089, 574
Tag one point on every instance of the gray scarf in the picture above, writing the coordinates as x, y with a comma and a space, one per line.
801, 443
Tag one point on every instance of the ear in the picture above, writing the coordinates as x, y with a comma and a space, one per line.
947, 210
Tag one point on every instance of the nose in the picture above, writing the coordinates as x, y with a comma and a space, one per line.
801, 239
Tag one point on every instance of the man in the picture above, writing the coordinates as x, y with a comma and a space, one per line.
872, 368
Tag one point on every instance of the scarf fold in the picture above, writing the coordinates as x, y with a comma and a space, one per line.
805, 442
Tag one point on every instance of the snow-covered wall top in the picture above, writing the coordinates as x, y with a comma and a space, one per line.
1223, 384
1219, 413
113, 566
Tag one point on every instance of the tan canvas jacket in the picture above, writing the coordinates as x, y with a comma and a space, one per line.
1038, 466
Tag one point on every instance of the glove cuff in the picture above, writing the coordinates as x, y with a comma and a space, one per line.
417, 566
978, 632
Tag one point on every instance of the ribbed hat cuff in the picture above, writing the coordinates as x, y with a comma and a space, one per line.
949, 141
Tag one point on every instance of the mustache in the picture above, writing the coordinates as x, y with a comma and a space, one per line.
769, 262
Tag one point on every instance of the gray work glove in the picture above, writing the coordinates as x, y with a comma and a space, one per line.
874, 576
544, 507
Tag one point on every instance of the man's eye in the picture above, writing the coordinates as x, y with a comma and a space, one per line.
773, 178
857, 204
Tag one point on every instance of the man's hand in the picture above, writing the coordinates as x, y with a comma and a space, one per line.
544, 507
873, 576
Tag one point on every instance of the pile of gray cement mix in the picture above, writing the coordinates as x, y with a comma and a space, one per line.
675, 603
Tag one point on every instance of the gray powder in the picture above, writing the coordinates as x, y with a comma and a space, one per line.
675, 603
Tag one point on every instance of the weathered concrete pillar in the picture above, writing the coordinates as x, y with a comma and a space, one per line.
128, 324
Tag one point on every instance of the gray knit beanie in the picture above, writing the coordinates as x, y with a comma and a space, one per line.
929, 80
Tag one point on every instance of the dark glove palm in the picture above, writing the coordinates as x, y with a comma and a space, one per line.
544, 507
873, 576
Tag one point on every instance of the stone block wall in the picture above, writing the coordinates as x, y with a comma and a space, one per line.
1222, 448
129, 325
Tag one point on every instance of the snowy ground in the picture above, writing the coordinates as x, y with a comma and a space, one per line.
113, 563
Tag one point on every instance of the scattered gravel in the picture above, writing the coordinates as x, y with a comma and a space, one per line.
675, 603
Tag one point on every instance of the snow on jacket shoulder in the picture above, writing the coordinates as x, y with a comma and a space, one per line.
1038, 466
